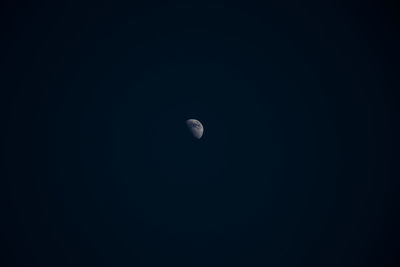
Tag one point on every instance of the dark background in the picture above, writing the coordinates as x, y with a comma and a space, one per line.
296, 166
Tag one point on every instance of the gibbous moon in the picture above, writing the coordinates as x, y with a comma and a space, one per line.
195, 127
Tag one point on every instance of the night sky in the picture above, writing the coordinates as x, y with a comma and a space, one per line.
297, 165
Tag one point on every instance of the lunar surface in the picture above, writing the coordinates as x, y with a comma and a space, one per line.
195, 127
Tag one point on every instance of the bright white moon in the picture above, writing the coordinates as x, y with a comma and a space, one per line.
195, 127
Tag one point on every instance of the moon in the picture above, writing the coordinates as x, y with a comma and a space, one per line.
195, 127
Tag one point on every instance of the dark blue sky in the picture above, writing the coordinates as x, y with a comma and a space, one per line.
296, 166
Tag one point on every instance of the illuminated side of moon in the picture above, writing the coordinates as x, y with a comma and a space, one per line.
195, 127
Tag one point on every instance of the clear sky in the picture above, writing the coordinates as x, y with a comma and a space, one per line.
296, 166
